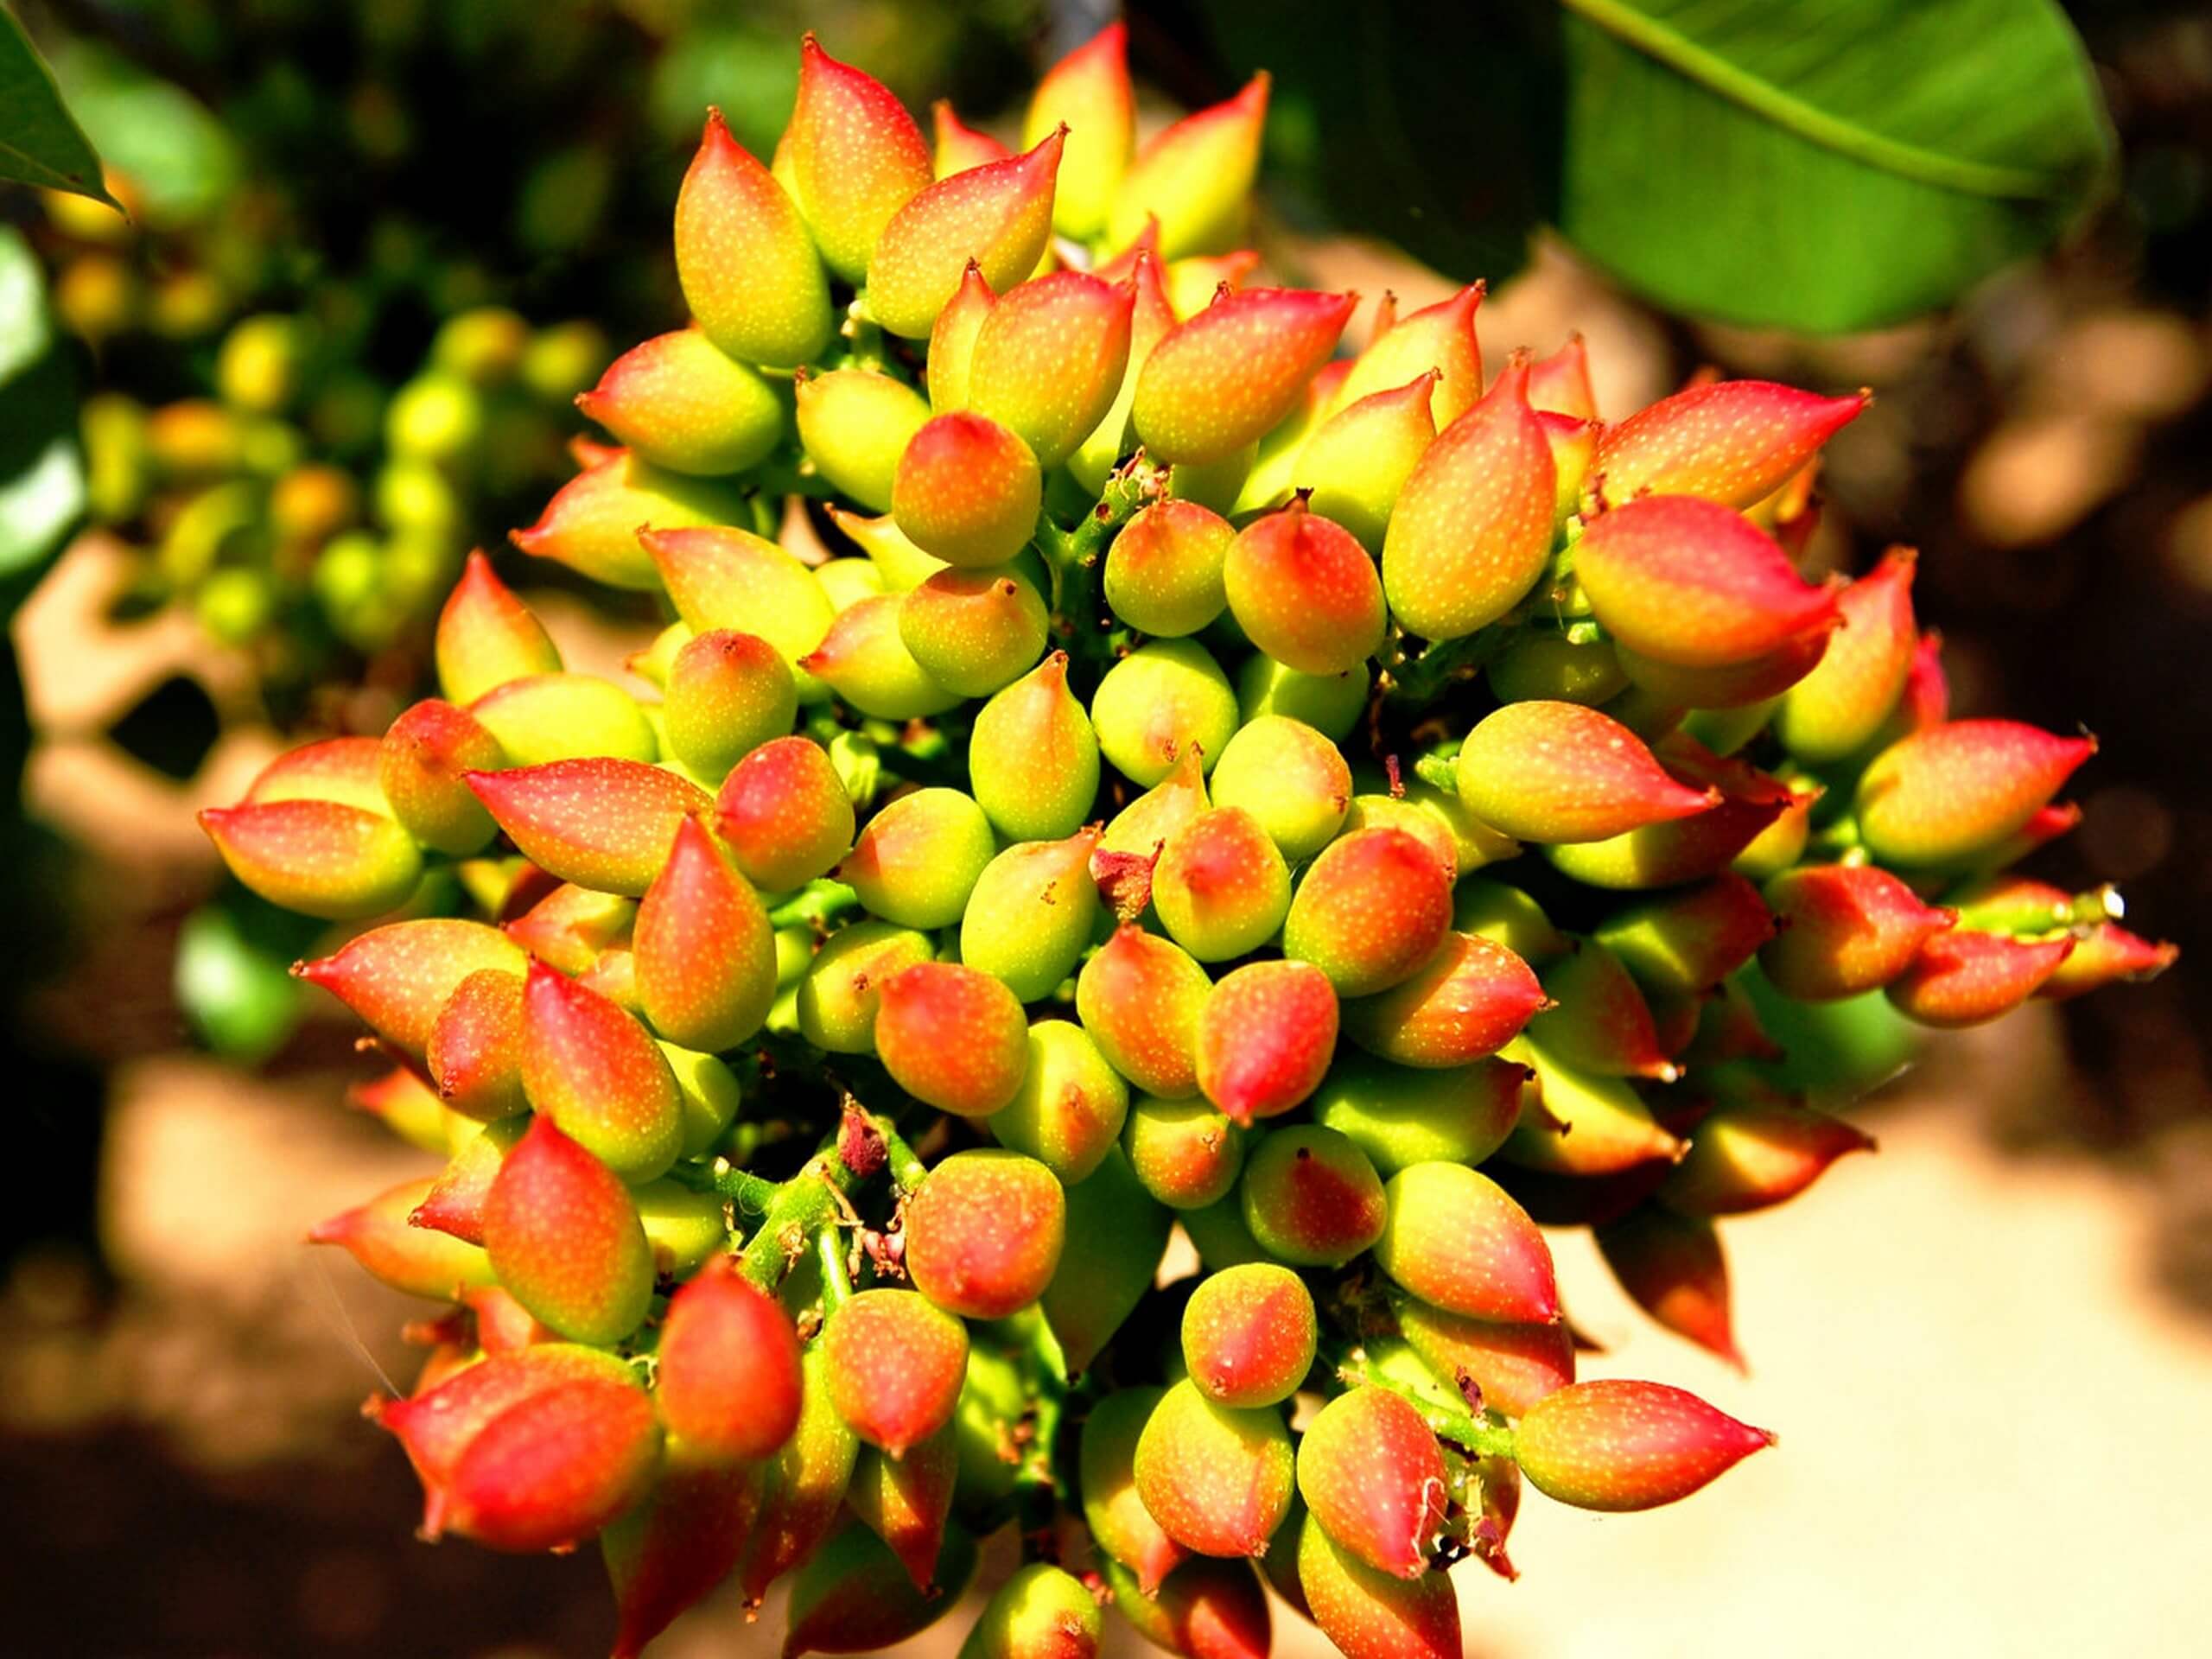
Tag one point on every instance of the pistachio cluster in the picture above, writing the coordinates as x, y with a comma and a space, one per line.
1328, 805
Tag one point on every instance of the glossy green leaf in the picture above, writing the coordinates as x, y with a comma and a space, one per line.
1823, 164
41, 142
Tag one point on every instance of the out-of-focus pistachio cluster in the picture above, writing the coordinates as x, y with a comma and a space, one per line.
291, 496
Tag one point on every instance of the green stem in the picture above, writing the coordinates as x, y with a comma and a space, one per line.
836, 1277
1461, 1429
907, 1171
804, 1205
818, 904
1440, 771
1036, 1489
1420, 680
753, 1195
1075, 559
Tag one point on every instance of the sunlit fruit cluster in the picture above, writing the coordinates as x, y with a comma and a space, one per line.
1183, 777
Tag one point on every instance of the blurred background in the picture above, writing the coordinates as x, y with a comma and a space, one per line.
377, 245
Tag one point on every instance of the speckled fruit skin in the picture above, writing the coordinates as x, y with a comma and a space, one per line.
1963, 978
601, 824
421, 765
1468, 1001
920, 857
1613, 1444
1139, 997
322, 858
727, 694
379, 1235
557, 1467
1031, 914
1248, 1335
475, 1048
1373, 1476
1311, 1198
1514, 1365
705, 953
1955, 790
1069, 1111
984, 1234
1111, 756
728, 1376
967, 490
1368, 1614
1164, 573
996, 216
732, 218
1454, 1239
1750, 1155
486, 637
895, 1364
1218, 1481
1159, 702
1844, 929
593, 1071
1840, 706
563, 1234
974, 630
1041, 1613
1187, 410
784, 814
1398, 1116
1290, 777
1731, 443
398, 977
840, 993
1691, 584
1557, 772
1266, 1035
1369, 912
1048, 360
907, 1501
1472, 526
1220, 887
1185, 1153
1033, 759
953, 1036
1305, 590
1112, 1507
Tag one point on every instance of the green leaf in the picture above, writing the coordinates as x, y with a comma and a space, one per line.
40, 142
1823, 164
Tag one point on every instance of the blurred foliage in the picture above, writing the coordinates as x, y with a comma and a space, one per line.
1822, 165
233, 976
41, 474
